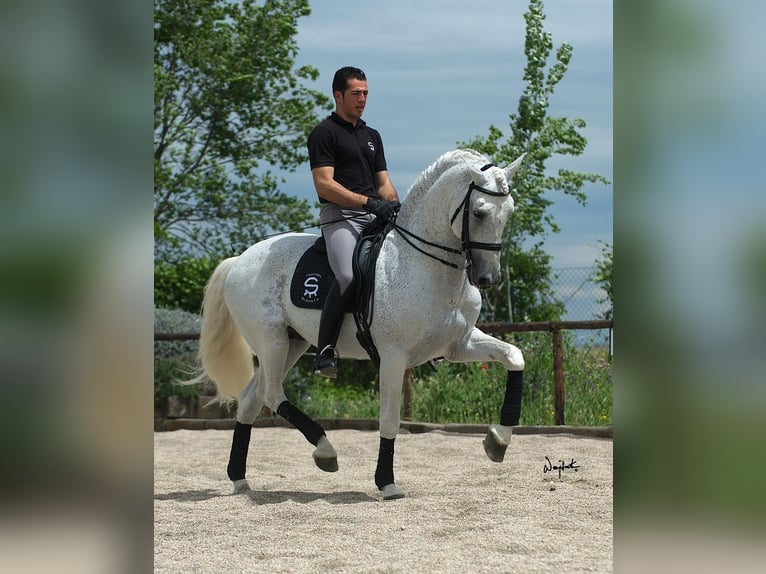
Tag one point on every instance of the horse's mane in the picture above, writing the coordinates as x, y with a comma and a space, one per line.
428, 177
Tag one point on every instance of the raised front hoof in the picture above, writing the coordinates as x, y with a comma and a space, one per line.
391, 492
240, 486
496, 442
325, 456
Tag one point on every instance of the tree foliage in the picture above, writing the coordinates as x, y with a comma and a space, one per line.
604, 271
180, 283
525, 292
228, 106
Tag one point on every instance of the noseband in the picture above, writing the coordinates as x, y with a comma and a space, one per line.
466, 244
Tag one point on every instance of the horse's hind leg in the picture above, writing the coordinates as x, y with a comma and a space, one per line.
324, 455
265, 389
240, 443
247, 410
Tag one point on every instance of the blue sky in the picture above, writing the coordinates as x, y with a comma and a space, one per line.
441, 72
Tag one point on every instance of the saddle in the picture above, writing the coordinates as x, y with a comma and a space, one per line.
313, 278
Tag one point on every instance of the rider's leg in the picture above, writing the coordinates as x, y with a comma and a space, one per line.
341, 234
333, 313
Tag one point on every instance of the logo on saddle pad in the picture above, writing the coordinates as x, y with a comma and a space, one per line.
311, 287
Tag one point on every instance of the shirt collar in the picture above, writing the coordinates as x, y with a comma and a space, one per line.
360, 123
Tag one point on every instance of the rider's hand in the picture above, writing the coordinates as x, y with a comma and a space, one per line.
383, 209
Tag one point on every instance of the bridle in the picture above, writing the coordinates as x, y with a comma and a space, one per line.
466, 204
466, 244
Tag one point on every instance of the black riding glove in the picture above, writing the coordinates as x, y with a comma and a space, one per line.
382, 209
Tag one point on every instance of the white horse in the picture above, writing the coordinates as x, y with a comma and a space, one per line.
444, 247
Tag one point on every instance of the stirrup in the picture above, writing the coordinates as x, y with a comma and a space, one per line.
324, 364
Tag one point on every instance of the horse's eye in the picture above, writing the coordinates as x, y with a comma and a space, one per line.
479, 214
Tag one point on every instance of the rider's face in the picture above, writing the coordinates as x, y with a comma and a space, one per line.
350, 103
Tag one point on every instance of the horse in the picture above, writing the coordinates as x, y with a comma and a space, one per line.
444, 247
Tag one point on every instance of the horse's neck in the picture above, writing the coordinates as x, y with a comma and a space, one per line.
426, 215
425, 211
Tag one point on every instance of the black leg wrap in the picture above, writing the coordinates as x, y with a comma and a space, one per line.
238, 455
384, 473
511, 409
310, 429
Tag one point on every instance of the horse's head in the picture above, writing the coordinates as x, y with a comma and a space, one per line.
480, 214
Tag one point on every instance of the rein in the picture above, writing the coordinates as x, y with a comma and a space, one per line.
466, 243
404, 232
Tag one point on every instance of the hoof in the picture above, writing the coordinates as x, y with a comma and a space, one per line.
326, 464
325, 456
240, 486
496, 442
391, 492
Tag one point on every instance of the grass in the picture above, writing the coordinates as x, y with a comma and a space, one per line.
473, 393
325, 398
451, 393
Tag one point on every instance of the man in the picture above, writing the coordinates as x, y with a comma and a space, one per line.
349, 170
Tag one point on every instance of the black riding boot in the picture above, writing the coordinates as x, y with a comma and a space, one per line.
330, 323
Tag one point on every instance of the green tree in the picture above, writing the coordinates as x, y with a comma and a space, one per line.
604, 270
228, 107
180, 283
525, 292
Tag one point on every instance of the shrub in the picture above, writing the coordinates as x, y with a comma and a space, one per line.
167, 374
174, 361
175, 321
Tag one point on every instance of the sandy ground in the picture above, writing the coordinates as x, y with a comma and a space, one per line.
462, 513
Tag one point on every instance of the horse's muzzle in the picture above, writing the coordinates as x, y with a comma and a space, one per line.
484, 266
483, 280
485, 283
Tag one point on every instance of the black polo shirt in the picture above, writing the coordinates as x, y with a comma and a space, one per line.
356, 153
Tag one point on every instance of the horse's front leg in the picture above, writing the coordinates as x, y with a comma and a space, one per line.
391, 380
480, 347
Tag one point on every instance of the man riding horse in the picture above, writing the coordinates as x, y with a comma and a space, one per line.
348, 166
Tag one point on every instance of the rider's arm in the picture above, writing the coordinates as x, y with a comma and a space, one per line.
330, 190
386, 189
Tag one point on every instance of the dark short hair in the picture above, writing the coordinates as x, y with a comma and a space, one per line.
340, 80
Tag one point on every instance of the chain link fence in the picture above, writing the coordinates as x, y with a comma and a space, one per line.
584, 300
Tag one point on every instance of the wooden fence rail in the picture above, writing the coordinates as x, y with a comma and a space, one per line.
555, 328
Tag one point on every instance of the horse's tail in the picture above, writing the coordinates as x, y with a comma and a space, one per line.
224, 356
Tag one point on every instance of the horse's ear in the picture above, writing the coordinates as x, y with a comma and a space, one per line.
511, 169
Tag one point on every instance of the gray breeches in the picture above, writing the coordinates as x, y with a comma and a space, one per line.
340, 238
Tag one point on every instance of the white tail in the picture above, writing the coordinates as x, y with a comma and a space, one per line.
225, 357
